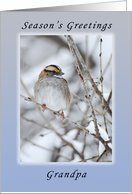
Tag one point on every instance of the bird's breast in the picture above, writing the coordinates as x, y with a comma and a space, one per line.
52, 92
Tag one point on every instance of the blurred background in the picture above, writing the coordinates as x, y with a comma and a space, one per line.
38, 142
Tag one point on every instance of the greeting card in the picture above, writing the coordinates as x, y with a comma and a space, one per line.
66, 101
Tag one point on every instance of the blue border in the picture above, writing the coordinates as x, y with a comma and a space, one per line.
32, 178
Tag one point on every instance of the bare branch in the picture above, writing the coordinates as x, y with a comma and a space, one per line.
77, 57
84, 145
42, 147
102, 115
110, 95
74, 52
103, 142
101, 80
82, 100
25, 87
94, 109
88, 112
101, 155
75, 123
88, 158
30, 120
36, 105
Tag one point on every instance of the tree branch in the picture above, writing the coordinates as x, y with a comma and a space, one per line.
75, 123
73, 49
101, 80
110, 95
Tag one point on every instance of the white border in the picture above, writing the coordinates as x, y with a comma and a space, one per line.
77, 164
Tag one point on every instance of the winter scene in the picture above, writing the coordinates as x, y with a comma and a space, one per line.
66, 99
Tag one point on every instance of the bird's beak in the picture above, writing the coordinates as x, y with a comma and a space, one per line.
61, 73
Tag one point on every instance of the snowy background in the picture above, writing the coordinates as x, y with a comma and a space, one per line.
38, 142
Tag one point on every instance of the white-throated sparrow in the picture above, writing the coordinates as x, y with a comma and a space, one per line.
51, 90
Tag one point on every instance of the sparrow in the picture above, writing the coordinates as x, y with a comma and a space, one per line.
51, 90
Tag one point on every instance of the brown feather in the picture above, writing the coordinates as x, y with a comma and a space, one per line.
42, 74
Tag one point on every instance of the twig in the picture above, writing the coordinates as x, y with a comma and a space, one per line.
83, 128
30, 120
57, 113
71, 145
75, 123
101, 155
110, 95
25, 87
78, 106
43, 126
101, 80
103, 72
76, 136
78, 125
88, 158
84, 145
102, 115
82, 100
74, 49
54, 112
56, 133
31, 100
94, 109
78, 59
42, 147
103, 142
36, 106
